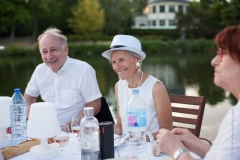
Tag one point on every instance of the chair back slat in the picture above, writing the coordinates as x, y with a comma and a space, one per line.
186, 101
190, 129
185, 120
185, 110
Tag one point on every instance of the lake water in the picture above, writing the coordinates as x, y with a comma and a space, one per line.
181, 74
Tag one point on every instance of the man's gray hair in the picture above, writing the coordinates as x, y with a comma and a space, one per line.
56, 32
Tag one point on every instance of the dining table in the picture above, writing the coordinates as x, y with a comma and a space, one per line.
71, 147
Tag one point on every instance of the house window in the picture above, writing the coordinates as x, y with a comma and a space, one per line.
154, 23
154, 9
162, 22
171, 8
180, 8
162, 9
171, 23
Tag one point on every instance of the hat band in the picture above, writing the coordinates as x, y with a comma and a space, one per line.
117, 46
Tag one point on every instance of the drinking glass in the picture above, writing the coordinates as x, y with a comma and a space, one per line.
75, 127
124, 152
62, 138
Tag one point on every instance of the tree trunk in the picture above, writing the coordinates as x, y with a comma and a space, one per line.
12, 32
35, 24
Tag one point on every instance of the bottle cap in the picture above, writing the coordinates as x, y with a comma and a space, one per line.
135, 91
17, 90
89, 111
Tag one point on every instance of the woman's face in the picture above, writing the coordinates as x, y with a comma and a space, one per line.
123, 64
226, 71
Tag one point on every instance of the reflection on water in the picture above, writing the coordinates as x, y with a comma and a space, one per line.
181, 75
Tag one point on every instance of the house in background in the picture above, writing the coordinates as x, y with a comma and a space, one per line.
160, 14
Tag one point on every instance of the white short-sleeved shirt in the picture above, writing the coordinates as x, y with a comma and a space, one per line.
145, 91
70, 89
222, 146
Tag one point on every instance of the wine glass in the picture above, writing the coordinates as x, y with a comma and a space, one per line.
63, 137
75, 127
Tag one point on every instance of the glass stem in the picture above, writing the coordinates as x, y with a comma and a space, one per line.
61, 150
79, 145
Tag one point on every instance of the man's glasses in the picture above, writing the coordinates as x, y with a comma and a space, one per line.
220, 53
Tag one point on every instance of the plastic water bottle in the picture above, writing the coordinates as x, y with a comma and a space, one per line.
89, 128
136, 114
18, 118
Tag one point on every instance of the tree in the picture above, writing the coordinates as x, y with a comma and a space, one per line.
88, 18
207, 17
118, 16
191, 21
13, 12
139, 5
230, 15
44, 14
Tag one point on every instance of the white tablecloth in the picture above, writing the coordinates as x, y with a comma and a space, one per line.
72, 147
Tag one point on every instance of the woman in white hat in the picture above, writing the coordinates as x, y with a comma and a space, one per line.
126, 56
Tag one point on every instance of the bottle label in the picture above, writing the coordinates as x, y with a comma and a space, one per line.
136, 118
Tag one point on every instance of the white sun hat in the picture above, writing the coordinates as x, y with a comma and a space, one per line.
127, 43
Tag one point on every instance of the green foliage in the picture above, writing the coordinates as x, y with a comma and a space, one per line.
149, 46
88, 17
118, 16
96, 37
86, 50
203, 20
163, 34
13, 11
207, 17
14, 51
138, 6
230, 15
178, 46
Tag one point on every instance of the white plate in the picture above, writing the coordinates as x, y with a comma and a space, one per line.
118, 141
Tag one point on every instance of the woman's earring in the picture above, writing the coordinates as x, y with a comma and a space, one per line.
138, 66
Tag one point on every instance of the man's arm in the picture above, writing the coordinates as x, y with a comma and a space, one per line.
29, 101
96, 104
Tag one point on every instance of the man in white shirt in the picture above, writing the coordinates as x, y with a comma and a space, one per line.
68, 83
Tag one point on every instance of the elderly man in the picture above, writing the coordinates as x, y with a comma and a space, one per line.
68, 83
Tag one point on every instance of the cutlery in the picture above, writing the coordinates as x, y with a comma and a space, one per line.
119, 136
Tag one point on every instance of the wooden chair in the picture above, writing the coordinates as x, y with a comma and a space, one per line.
104, 113
185, 106
187, 112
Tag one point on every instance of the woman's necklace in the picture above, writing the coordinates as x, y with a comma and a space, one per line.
140, 81
137, 86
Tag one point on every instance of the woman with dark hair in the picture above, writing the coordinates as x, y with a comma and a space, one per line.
226, 145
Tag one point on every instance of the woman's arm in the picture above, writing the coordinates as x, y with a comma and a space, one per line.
191, 142
118, 125
162, 106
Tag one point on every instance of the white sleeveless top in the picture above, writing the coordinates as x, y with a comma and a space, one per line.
145, 91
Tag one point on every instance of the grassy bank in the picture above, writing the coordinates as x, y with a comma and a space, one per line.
148, 46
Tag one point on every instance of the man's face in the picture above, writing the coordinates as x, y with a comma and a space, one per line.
53, 53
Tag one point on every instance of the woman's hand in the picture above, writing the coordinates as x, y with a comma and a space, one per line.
190, 141
168, 142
